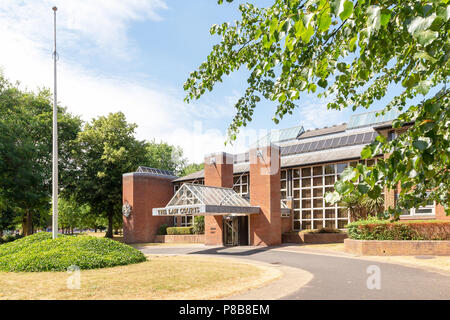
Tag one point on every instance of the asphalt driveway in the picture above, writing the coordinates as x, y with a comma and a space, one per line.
337, 277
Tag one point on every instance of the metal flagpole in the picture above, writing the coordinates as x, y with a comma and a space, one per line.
55, 141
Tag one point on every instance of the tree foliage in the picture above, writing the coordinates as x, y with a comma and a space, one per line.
355, 53
102, 153
164, 156
26, 153
191, 168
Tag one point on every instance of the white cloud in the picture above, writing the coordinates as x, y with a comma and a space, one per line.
98, 24
314, 114
159, 111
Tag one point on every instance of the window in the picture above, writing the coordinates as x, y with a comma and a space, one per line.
308, 188
187, 221
427, 210
392, 135
240, 184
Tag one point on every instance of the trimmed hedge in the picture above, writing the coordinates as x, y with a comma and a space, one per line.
180, 230
39, 252
323, 230
400, 230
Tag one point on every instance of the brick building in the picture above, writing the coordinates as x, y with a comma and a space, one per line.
254, 197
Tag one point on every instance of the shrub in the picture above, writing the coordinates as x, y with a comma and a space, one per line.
9, 238
180, 230
39, 252
326, 230
373, 229
199, 225
162, 229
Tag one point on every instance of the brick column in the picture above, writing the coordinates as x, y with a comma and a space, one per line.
218, 173
145, 191
389, 195
265, 185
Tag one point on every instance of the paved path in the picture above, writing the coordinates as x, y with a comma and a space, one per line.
335, 277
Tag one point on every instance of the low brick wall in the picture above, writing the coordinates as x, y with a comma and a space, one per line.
397, 247
181, 238
302, 237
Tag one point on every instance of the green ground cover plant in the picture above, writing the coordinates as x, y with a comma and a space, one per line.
39, 252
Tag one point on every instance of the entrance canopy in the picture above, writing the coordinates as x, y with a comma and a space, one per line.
200, 200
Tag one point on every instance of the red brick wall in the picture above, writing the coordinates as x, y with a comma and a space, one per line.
265, 185
397, 247
144, 192
286, 224
440, 213
218, 174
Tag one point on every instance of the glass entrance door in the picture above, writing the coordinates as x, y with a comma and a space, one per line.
231, 231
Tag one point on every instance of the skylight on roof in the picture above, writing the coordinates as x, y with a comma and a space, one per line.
370, 118
281, 135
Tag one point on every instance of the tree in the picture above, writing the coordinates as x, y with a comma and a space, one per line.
72, 215
102, 152
164, 156
354, 52
361, 206
26, 152
191, 168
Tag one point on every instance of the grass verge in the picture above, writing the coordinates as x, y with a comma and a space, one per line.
161, 277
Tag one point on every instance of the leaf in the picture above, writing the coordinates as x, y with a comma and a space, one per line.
385, 16
426, 37
324, 21
307, 34
373, 21
363, 188
421, 143
420, 24
299, 28
273, 25
347, 11
424, 86
352, 43
322, 83
348, 174
366, 153
343, 187
432, 107
375, 192
411, 81
332, 197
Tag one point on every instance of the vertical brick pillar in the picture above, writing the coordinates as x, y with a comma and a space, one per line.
145, 191
440, 213
218, 173
265, 185
389, 195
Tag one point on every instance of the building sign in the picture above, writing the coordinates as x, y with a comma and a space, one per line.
175, 211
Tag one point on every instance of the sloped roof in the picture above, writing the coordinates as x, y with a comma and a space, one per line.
323, 131
207, 200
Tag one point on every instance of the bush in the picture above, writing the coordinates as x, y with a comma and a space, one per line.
162, 229
373, 229
326, 230
180, 230
199, 225
9, 238
39, 252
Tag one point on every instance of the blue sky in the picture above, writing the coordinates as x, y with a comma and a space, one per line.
134, 56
